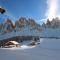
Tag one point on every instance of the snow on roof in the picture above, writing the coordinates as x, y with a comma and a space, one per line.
14, 42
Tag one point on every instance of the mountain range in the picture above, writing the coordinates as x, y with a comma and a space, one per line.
19, 25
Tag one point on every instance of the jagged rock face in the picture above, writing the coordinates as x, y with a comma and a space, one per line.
55, 23
22, 22
8, 26
32, 23
21, 25
29, 24
1, 26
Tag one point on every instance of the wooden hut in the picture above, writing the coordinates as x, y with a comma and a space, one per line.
11, 44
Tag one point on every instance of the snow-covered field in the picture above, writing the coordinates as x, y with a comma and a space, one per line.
49, 32
49, 49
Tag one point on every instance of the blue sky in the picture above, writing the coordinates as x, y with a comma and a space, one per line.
25, 8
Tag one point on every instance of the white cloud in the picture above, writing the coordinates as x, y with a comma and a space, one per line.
52, 9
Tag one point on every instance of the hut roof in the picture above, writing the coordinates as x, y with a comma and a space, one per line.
12, 42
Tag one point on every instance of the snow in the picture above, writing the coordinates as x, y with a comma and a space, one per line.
48, 49
49, 32
19, 33
14, 42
